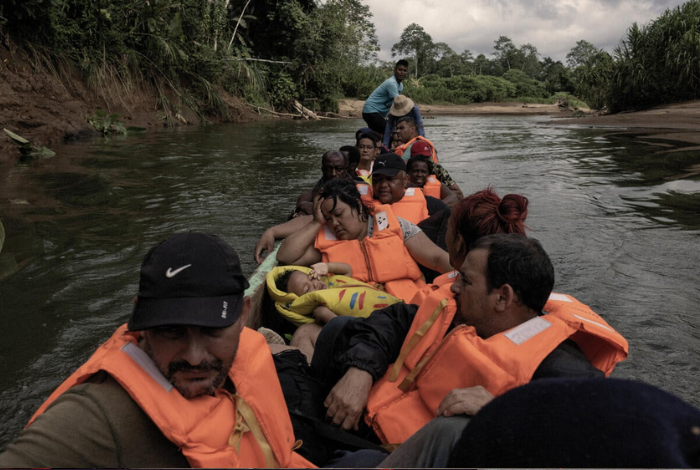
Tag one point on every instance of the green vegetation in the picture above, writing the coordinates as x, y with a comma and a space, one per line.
106, 123
654, 64
190, 51
274, 52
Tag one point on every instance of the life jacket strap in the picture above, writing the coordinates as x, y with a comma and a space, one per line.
246, 421
420, 332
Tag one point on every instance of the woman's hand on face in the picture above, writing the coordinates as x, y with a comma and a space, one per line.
318, 213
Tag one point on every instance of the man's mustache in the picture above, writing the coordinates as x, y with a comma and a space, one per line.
204, 366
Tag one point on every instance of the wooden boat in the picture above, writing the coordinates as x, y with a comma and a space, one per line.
258, 289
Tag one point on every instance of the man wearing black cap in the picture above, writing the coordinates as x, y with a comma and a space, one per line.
388, 184
182, 384
428, 213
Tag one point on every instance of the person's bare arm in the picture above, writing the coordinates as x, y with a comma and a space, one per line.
456, 190
427, 253
447, 196
464, 401
298, 248
322, 269
323, 314
267, 240
305, 203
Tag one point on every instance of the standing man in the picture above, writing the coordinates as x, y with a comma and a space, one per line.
377, 106
183, 384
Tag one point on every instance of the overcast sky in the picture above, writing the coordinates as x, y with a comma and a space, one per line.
552, 26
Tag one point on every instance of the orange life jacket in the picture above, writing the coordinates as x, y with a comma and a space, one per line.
248, 429
401, 149
366, 193
431, 364
432, 187
438, 282
411, 207
381, 258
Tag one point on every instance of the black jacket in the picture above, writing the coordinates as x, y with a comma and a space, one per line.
373, 344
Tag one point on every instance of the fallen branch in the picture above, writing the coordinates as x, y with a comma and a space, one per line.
260, 108
305, 111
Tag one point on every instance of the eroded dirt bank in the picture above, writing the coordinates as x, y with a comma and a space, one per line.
48, 107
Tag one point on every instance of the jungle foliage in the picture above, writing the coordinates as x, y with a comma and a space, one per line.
654, 64
267, 51
273, 52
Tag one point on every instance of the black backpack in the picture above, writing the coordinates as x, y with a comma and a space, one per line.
304, 395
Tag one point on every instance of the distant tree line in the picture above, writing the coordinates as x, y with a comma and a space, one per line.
272, 52
654, 64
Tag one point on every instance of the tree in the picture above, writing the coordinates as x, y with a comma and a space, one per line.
555, 76
451, 64
580, 53
481, 64
530, 61
506, 53
414, 42
593, 79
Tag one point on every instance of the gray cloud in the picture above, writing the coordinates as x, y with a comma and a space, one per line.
553, 26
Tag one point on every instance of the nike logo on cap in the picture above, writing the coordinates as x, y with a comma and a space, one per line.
170, 273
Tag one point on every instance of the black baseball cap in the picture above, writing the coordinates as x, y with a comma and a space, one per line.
189, 279
388, 164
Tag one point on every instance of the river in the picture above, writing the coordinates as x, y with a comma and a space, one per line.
621, 229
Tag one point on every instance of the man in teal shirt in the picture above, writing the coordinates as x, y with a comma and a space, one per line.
377, 105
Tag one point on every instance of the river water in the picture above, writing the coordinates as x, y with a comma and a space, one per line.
621, 229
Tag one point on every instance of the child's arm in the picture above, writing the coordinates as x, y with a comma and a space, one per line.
322, 269
323, 315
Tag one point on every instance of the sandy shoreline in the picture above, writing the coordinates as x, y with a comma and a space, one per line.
354, 108
677, 122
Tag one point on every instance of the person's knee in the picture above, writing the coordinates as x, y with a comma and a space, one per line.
305, 334
447, 428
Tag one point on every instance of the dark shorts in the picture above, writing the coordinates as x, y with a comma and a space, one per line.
375, 121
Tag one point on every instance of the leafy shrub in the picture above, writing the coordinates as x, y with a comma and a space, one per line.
526, 86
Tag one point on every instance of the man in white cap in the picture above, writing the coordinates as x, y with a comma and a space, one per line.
183, 384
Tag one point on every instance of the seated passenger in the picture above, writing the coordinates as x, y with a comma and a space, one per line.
381, 248
403, 106
352, 156
429, 213
368, 146
420, 173
413, 144
495, 328
333, 166
389, 185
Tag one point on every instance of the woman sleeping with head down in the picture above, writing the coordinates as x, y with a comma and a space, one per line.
381, 248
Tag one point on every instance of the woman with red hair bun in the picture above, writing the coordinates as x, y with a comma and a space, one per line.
483, 213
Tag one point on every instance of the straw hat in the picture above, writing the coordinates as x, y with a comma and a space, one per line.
402, 106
